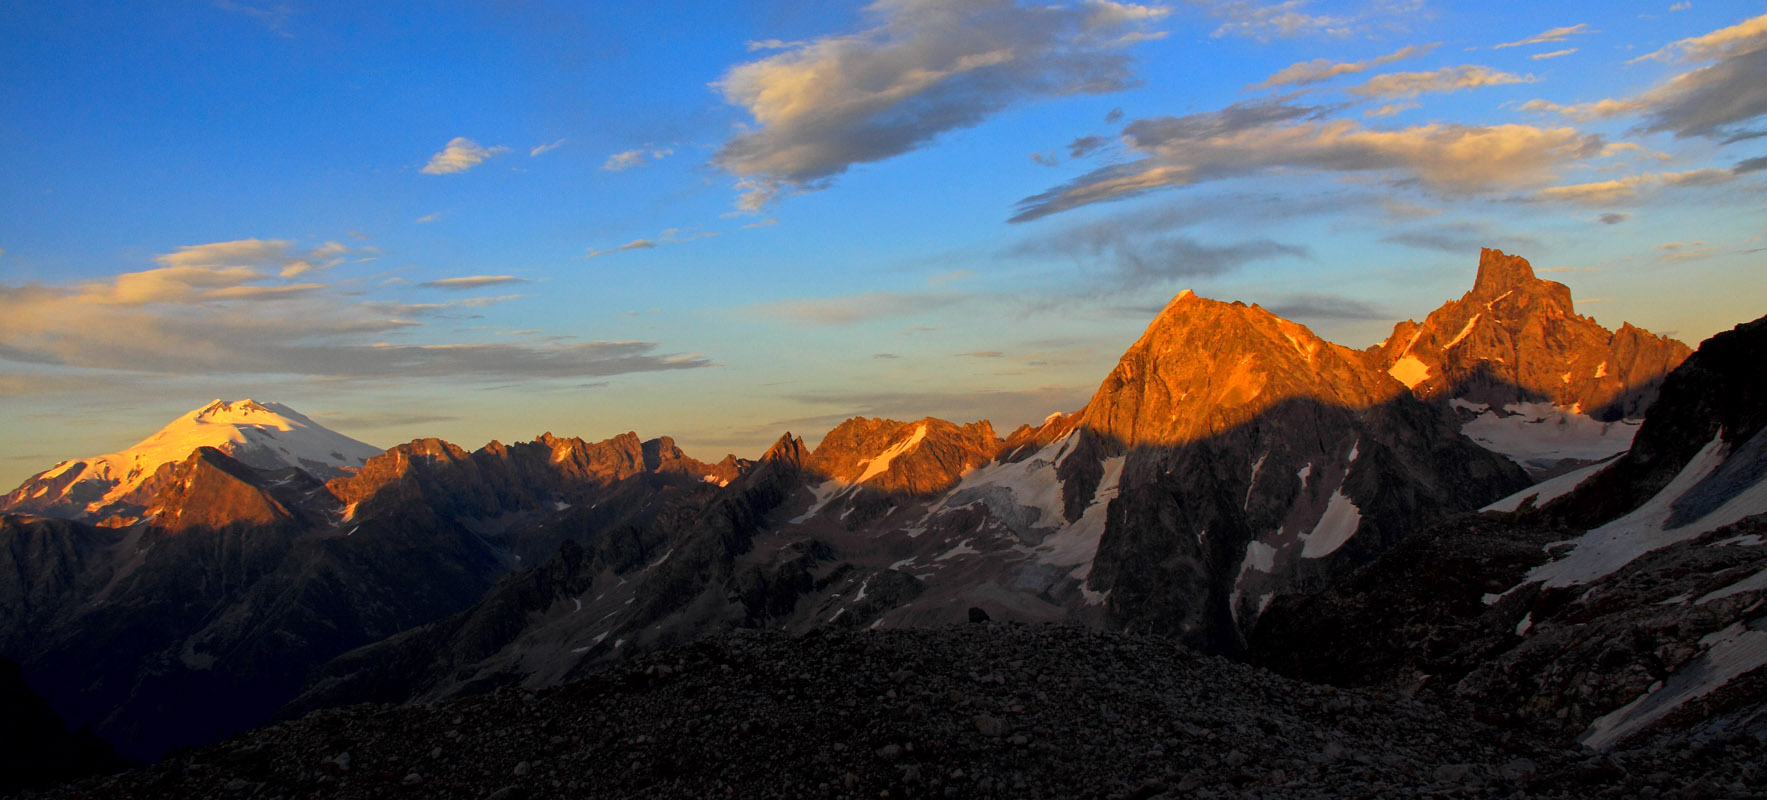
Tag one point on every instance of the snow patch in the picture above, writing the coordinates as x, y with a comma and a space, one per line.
1463, 331
1335, 527
861, 594
881, 463
1303, 474
1548, 490
962, 549
1752, 583
1538, 435
1521, 628
1601, 370
1606, 549
1253, 483
1731, 652
1410, 371
1746, 540
1259, 557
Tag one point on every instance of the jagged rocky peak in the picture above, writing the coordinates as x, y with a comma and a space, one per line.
921, 457
1501, 274
1205, 365
788, 450
1517, 338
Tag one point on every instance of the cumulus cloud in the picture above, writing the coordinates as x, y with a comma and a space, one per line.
1403, 85
849, 309
1319, 70
460, 155
620, 162
923, 69
1252, 138
471, 282
1710, 101
1552, 35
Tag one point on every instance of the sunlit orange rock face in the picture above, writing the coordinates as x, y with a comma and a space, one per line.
1204, 367
916, 458
1516, 337
211, 490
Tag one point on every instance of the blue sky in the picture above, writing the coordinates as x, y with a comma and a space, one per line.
722, 221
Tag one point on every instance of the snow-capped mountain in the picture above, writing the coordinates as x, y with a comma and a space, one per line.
1532, 379
117, 486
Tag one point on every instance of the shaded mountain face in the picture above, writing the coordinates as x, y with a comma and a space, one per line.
1533, 379
1614, 604
1259, 459
208, 615
115, 488
1231, 455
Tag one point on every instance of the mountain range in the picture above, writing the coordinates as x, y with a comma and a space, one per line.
1236, 482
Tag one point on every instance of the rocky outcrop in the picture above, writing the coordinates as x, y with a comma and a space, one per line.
913, 458
36, 750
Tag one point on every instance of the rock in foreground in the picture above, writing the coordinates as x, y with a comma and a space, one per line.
971, 711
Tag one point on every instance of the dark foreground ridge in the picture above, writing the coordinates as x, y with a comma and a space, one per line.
981, 710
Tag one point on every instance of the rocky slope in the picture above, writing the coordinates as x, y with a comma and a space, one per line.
1618, 603
974, 711
116, 487
1535, 380
36, 750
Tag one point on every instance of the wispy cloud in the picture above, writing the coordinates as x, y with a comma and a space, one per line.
1282, 20
857, 308
1633, 187
1256, 137
1327, 306
1319, 70
277, 255
1135, 252
1404, 85
545, 148
428, 218
1551, 35
227, 321
1710, 102
272, 15
460, 155
923, 69
1553, 54
635, 244
471, 282
619, 162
